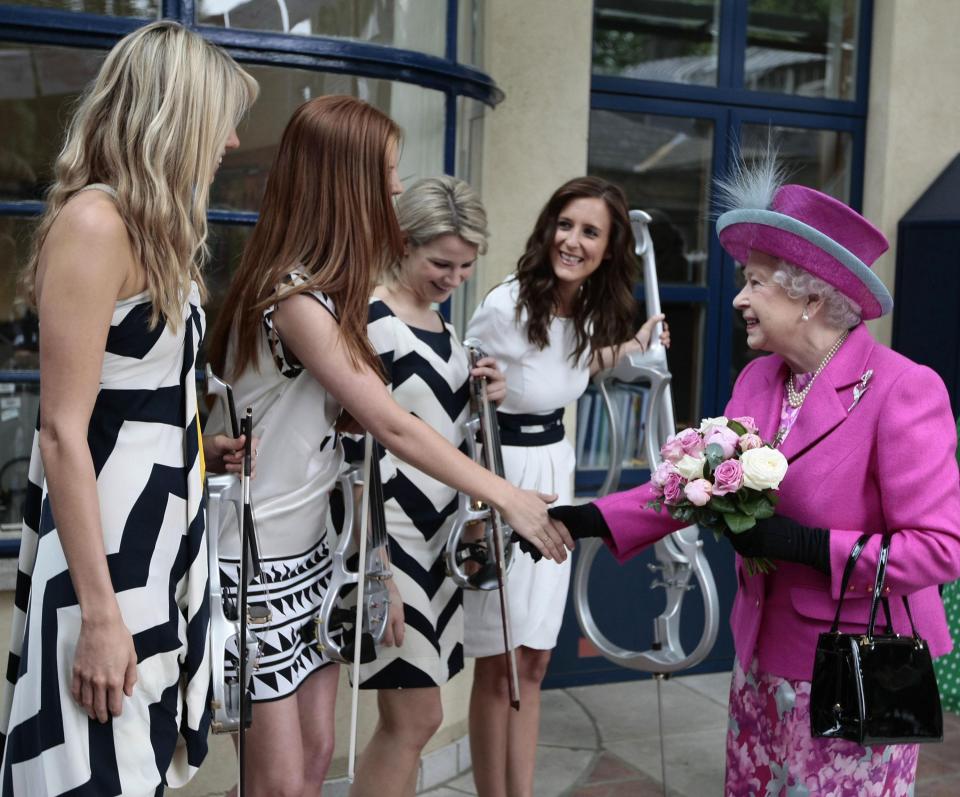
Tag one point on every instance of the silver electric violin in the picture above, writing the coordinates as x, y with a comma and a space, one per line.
472, 561
335, 625
491, 553
680, 556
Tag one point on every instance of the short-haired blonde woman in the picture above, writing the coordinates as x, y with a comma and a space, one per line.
109, 673
296, 350
444, 227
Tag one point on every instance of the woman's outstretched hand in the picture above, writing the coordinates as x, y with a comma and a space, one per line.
642, 338
526, 513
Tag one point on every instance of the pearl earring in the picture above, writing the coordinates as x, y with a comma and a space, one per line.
805, 316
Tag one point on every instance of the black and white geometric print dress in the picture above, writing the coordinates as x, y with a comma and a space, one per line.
144, 440
428, 377
298, 460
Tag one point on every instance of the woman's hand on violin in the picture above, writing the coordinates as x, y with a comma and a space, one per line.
496, 381
224, 454
395, 625
104, 667
641, 341
526, 513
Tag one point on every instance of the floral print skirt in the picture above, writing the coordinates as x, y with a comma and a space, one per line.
770, 752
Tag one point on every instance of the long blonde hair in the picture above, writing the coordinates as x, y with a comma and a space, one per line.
327, 212
152, 125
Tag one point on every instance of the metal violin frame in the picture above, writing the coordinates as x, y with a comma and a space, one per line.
230, 614
492, 554
350, 635
680, 556
461, 550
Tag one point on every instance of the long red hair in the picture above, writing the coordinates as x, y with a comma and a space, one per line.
327, 211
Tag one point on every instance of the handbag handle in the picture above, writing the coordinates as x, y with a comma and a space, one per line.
847, 572
878, 591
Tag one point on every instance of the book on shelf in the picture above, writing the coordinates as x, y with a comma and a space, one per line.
629, 402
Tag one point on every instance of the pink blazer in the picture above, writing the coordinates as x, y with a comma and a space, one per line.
886, 464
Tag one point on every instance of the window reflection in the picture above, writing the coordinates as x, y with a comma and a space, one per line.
668, 40
800, 47
242, 176
38, 85
413, 26
663, 164
146, 9
816, 158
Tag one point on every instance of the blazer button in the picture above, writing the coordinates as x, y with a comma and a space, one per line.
886, 590
869, 588
758, 603
851, 588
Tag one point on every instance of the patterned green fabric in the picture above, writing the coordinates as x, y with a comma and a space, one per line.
948, 667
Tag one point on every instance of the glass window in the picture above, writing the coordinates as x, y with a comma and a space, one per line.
663, 163
226, 243
38, 85
243, 175
19, 397
470, 33
147, 9
418, 26
816, 158
669, 40
803, 47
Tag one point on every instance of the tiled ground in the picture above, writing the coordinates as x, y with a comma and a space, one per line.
603, 741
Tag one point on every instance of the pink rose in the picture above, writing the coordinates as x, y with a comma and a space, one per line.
691, 442
748, 442
748, 423
672, 451
728, 477
698, 492
724, 437
659, 476
673, 489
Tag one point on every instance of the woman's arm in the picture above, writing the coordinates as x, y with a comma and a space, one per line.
87, 265
313, 336
608, 356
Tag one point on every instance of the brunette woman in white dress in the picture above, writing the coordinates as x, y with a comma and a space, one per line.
566, 313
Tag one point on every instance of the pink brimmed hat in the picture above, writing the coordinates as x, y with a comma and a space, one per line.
817, 233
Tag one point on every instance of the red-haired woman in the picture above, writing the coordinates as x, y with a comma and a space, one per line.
296, 349
567, 312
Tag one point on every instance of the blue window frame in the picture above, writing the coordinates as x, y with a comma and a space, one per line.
728, 106
44, 26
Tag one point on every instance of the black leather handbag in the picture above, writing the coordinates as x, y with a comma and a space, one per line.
874, 688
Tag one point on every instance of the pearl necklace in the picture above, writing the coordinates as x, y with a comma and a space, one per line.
795, 397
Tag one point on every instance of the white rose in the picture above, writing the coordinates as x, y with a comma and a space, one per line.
763, 468
690, 467
708, 423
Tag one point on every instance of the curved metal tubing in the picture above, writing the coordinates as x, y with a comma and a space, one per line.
223, 494
482, 424
329, 623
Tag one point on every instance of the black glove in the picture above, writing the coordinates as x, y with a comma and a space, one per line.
582, 520
527, 547
779, 537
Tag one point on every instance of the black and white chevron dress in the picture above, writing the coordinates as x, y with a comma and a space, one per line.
144, 439
428, 377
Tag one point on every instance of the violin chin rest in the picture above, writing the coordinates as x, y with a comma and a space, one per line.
368, 650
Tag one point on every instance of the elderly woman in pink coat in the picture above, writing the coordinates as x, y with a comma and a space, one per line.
870, 441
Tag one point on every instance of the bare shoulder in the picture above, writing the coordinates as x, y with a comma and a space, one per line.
88, 246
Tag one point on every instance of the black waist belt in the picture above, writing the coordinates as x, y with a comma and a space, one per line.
530, 430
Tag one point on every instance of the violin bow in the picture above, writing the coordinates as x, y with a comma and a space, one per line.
491, 444
246, 428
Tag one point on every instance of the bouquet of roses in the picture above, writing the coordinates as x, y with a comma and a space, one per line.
721, 475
